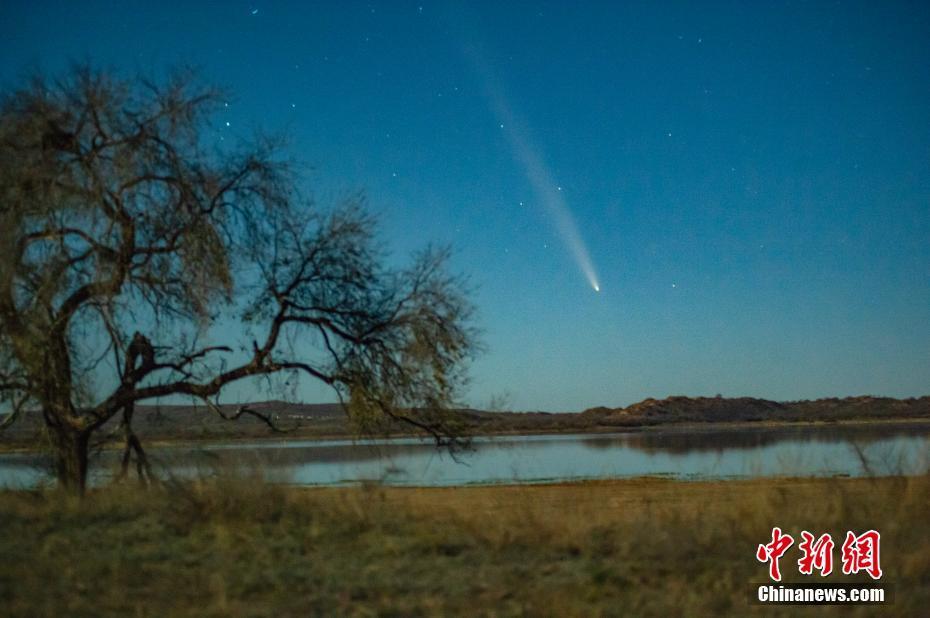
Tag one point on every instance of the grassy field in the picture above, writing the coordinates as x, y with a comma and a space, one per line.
633, 547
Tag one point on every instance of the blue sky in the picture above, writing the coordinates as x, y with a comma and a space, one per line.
751, 181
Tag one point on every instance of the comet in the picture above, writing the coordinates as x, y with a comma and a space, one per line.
548, 193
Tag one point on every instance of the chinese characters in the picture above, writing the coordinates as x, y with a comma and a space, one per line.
858, 553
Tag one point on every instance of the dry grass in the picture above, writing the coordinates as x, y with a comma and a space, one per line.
236, 547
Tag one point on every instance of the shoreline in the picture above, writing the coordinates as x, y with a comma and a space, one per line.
661, 428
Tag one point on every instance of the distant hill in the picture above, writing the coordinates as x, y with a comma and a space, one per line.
749, 409
197, 422
147, 415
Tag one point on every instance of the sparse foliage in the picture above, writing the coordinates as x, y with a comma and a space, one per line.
125, 238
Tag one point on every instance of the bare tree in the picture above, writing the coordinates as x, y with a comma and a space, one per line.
125, 237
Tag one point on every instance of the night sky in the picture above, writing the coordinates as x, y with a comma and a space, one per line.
748, 184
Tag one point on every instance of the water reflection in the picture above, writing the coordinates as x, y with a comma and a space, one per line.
692, 453
719, 439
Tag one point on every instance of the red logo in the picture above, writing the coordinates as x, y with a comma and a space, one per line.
859, 553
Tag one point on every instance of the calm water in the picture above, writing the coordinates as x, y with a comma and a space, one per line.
852, 451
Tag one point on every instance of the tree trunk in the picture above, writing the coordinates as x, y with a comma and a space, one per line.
71, 458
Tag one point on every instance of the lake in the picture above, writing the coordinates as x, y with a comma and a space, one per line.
847, 450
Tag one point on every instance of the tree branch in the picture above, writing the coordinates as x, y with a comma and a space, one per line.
265, 418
